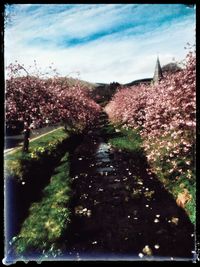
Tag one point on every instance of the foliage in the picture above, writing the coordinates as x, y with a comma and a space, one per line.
48, 218
165, 115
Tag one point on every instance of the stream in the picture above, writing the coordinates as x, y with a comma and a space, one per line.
119, 208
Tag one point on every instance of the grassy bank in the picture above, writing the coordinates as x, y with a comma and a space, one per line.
27, 174
175, 171
17, 163
175, 168
128, 140
39, 186
48, 218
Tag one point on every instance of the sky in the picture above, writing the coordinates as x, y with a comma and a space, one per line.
98, 42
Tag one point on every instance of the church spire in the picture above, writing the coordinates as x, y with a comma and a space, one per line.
158, 72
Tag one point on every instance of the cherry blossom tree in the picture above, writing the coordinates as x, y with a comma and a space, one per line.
165, 114
36, 101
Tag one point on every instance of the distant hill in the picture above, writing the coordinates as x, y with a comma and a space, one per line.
72, 81
101, 84
136, 82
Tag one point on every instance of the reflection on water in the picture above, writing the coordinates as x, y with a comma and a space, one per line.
102, 152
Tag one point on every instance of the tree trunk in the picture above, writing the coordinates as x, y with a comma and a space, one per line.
26, 138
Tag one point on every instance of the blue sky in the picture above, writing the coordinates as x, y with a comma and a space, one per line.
101, 42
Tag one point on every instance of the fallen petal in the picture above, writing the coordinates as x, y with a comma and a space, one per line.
147, 250
175, 220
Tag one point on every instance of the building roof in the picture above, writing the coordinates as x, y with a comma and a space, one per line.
158, 72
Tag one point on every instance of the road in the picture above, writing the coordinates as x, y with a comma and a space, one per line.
14, 141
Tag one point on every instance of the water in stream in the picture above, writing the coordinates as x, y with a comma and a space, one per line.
120, 210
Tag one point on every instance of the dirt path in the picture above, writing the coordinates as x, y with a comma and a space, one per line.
119, 210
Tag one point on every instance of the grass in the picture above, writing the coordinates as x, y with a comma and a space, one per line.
40, 142
18, 162
109, 129
127, 140
48, 219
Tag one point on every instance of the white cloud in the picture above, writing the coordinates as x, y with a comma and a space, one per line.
121, 56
